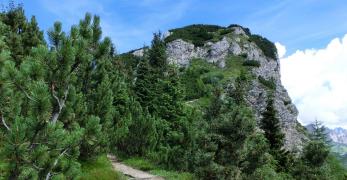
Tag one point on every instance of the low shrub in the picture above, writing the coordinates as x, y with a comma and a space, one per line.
197, 34
251, 63
212, 78
268, 83
268, 48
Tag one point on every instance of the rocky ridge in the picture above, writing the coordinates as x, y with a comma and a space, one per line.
181, 52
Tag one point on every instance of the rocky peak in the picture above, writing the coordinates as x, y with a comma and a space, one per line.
235, 41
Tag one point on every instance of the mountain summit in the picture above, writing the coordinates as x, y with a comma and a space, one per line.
229, 47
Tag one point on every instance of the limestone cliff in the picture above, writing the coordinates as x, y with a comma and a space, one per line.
238, 43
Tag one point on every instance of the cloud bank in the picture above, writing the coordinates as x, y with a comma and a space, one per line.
316, 80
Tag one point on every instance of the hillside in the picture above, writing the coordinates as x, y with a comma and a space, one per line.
226, 51
201, 102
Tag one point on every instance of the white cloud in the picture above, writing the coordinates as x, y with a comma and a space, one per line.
281, 49
317, 82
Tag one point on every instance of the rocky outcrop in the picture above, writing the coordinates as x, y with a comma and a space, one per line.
181, 53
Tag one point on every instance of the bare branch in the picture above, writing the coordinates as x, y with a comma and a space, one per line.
61, 103
55, 163
4, 122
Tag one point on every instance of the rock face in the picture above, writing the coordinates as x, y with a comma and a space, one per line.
181, 53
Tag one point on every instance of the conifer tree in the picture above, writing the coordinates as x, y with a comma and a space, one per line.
144, 84
53, 119
271, 126
214, 110
319, 133
317, 150
22, 35
157, 55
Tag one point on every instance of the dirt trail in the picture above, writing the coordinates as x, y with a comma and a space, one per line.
129, 171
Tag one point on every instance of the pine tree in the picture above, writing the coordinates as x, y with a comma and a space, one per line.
271, 126
317, 150
22, 35
272, 130
144, 84
53, 119
214, 110
319, 133
157, 55
238, 93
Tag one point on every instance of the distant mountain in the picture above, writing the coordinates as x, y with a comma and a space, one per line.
336, 135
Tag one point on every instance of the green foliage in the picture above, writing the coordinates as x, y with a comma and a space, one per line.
270, 124
22, 35
197, 34
319, 133
157, 55
251, 63
317, 150
268, 48
268, 83
315, 153
142, 136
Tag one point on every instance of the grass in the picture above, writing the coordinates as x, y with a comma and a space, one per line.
173, 175
213, 76
147, 165
100, 168
233, 68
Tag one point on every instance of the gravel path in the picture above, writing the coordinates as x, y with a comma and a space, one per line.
129, 171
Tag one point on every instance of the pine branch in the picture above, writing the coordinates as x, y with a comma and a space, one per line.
55, 163
25, 93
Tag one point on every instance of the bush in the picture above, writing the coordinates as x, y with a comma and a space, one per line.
251, 63
226, 31
268, 48
197, 34
244, 55
212, 78
268, 83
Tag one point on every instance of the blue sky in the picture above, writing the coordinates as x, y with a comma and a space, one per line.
297, 24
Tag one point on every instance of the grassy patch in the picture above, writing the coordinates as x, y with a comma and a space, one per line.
173, 175
147, 165
139, 163
100, 168
202, 77
233, 68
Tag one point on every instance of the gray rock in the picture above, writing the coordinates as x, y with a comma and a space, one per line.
138, 52
181, 53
